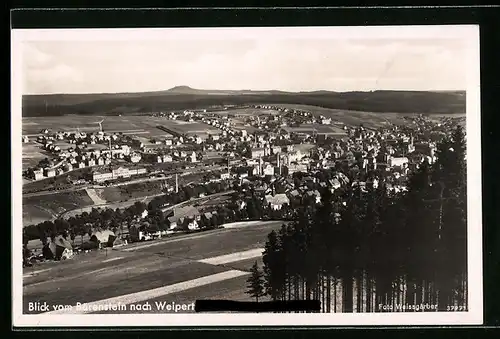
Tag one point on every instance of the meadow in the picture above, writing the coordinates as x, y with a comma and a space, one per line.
47, 207
319, 128
143, 125
132, 103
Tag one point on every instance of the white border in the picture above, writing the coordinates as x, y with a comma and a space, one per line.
469, 33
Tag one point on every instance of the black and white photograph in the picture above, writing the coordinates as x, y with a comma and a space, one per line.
246, 176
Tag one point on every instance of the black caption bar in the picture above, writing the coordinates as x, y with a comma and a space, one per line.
256, 307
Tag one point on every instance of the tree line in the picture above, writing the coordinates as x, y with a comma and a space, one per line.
375, 251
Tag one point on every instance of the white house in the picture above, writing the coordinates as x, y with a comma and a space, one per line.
276, 201
268, 170
38, 174
398, 161
51, 172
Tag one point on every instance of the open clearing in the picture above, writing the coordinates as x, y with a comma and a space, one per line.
47, 207
368, 119
247, 112
129, 124
319, 128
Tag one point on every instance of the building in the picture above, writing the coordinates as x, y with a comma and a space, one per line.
38, 174
398, 161
225, 176
104, 238
268, 170
59, 249
276, 149
135, 158
295, 156
276, 202
117, 173
293, 168
258, 152
181, 213
192, 158
50, 172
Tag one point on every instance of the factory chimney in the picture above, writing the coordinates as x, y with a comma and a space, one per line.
176, 183
279, 164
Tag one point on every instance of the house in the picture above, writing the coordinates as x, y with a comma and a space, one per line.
104, 238
316, 195
268, 170
335, 183
192, 223
398, 161
277, 201
51, 172
38, 174
295, 156
58, 249
293, 168
167, 158
258, 153
182, 212
225, 176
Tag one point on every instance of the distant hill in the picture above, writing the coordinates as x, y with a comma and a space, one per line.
184, 97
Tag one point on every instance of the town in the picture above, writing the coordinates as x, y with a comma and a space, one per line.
257, 162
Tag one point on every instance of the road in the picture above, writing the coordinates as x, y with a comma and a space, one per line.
208, 265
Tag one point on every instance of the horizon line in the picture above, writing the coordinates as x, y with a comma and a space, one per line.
250, 90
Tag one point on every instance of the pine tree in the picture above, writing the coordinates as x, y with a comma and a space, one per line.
255, 283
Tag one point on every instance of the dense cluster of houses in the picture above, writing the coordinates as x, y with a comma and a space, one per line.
79, 156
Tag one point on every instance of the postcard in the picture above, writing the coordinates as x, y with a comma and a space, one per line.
270, 176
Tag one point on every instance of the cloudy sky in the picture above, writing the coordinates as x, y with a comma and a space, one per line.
291, 64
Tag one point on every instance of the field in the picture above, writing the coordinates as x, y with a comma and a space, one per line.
49, 206
247, 111
132, 103
321, 129
32, 154
126, 192
354, 118
46, 207
131, 124
142, 126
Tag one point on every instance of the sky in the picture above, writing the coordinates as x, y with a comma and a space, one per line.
248, 63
